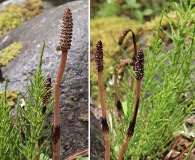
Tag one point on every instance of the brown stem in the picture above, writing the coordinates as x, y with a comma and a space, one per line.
65, 43
102, 97
105, 127
77, 155
118, 102
139, 72
130, 130
120, 41
134, 57
56, 128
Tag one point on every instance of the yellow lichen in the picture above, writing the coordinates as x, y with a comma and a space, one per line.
14, 14
11, 97
9, 53
10, 18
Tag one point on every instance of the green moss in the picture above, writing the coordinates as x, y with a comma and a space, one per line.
9, 53
12, 97
14, 14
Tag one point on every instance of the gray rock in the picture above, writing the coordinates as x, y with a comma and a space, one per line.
96, 139
74, 87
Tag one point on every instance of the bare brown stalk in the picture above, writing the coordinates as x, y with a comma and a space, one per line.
117, 97
105, 127
65, 43
46, 89
118, 102
77, 155
122, 65
139, 72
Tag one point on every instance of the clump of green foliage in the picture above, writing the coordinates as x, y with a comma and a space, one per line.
134, 9
21, 131
14, 14
167, 90
8, 53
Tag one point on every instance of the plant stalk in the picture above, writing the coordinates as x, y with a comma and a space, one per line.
130, 131
139, 73
118, 102
105, 127
65, 43
56, 128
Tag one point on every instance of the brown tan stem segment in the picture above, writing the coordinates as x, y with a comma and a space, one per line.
107, 145
116, 86
56, 128
103, 105
132, 122
118, 102
102, 97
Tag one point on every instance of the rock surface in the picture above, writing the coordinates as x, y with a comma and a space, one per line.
74, 87
96, 139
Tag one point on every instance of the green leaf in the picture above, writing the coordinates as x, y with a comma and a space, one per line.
124, 104
44, 157
139, 15
82, 158
147, 12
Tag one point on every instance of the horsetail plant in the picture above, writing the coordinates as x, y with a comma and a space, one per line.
132, 62
137, 63
118, 102
139, 72
46, 89
65, 43
105, 127
8, 130
30, 119
121, 66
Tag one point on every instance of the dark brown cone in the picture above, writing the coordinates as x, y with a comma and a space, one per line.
66, 31
99, 56
139, 65
123, 35
47, 96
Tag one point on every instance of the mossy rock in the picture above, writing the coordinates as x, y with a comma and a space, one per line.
14, 14
9, 53
12, 97
32, 8
108, 30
